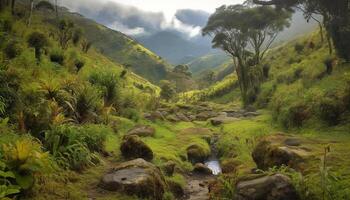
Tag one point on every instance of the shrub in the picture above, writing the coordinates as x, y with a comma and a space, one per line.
131, 113
12, 50
107, 82
330, 110
328, 62
298, 113
79, 64
84, 103
6, 25
22, 159
45, 5
74, 146
38, 41
57, 56
299, 48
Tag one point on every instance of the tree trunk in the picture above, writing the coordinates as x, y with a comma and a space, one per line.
321, 31
13, 2
329, 42
31, 12
56, 9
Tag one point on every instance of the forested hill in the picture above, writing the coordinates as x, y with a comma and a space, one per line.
120, 48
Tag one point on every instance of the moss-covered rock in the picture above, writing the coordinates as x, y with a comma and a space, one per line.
136, 177
200, 168
176, 188
197, 154
230, 165
133, 147
272, 151
276, 187
142, 131
169, 168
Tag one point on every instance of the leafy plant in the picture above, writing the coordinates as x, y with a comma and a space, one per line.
24, 159
74, 147
107, 82
38, 41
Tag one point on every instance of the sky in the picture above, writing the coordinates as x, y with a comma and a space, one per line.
146, 17
169, 7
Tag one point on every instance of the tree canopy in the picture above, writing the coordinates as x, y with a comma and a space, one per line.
246, 33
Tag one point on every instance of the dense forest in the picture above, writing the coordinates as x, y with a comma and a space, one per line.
87, 112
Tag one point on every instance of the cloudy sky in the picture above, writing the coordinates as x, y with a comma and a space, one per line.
169, 7
142, 17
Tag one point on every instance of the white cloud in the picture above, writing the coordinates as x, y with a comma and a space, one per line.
137, 17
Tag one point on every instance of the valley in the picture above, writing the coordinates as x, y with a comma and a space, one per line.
88, 112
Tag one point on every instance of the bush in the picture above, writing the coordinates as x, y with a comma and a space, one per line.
57, 56
299, 48
12, 50
38, 41
108, 84
330, 110
74, 146
79, 64
85, 103
6, 25
22, 159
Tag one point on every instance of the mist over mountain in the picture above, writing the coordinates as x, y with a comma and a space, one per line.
178, 40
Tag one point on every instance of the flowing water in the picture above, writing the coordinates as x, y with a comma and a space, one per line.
213, 162
214, 165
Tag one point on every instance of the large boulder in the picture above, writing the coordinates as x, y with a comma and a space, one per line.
142, 131
197, 153
273, 187
136, 177
272, 151
182, 117
156, 115
133, 147
216, 121
205, 115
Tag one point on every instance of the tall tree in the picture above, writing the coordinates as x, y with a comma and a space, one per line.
31, 7
13, 3
246, 33
335, 15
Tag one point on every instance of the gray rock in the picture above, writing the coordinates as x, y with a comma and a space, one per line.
157, 115
200, 168
142, 131
274, 187
203, 116
271, 151
135, 177
182, 117
133, 147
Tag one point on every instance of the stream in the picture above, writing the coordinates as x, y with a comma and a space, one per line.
213, 162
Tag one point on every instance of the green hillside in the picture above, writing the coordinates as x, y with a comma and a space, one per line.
118, 47
76, 124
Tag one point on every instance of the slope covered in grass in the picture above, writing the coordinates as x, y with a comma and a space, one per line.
116, 46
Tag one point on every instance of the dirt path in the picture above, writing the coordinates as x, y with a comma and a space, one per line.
197, 187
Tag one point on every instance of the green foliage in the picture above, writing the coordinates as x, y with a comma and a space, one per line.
79, 64
168, 90
74, 146
38, 41
22, 159
299, 48
57, 56
12, 50
246, 33
84, 103
66, 32
108, 83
